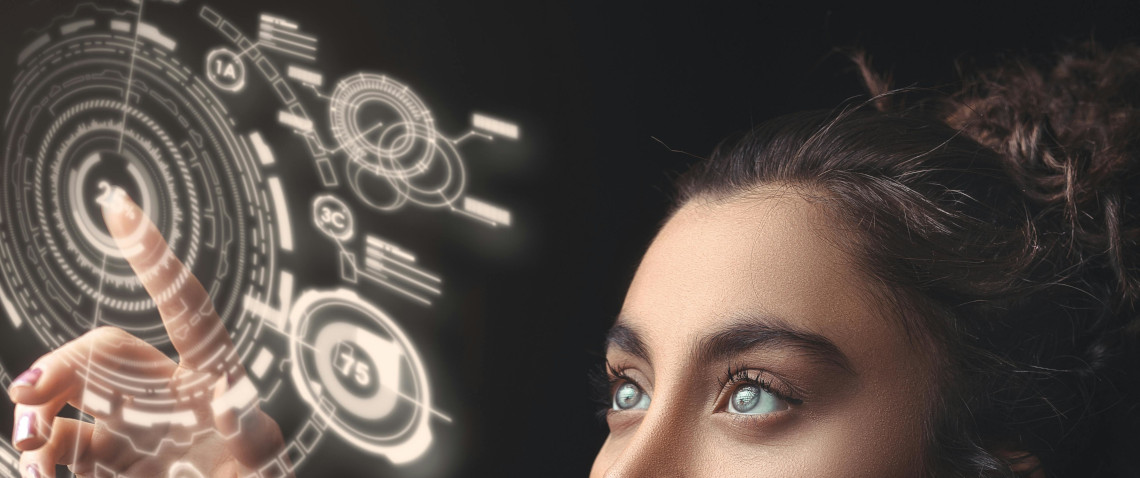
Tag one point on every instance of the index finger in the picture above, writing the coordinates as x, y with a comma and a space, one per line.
188, 314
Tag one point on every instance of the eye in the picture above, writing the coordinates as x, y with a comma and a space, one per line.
628, 396
751, 399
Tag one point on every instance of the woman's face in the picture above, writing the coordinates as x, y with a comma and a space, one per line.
749, 343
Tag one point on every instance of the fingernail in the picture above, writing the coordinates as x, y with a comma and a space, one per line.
25, 428
32, 471
28, 378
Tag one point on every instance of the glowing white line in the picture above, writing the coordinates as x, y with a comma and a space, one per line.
375, 242
381, 257
278, 21
476, 217
9, 458
91, 350
32, 47
378, 267
473, 134
130, 76
270, 44
269, 30
415, 401
269, 37
380, 280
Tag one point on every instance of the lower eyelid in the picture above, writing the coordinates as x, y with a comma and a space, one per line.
757, 425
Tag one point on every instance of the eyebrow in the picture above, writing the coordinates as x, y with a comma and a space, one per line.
627, 339
738, 338
753, 333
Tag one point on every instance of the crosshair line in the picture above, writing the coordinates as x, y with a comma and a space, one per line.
416, 402
91, 351
130, 76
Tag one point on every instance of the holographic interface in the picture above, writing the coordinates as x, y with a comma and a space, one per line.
107, 101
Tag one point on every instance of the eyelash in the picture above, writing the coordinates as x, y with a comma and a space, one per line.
738, 376
609, 377
606, 379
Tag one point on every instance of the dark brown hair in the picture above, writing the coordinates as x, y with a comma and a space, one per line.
1004, 220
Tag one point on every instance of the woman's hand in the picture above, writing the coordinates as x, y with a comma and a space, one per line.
217, 434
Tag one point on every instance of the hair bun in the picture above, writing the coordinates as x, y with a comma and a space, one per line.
1069, 130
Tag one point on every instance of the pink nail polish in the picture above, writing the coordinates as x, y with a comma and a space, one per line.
25, 428
32, 471
28, 378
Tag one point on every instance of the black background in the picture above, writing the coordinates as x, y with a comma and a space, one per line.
591, 84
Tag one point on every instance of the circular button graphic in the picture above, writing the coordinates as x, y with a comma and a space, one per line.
333, 218
225, 70
360, 373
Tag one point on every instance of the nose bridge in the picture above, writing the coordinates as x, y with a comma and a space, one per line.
659, 446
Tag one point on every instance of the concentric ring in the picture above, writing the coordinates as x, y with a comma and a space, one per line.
71, 137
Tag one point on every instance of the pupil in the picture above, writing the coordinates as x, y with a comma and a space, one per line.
628, 395
746, 399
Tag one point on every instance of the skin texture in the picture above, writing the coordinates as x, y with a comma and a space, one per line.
768, 262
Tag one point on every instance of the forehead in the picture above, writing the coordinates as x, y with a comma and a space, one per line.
773, 253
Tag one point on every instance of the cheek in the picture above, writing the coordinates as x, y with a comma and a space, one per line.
855, 447
828, 452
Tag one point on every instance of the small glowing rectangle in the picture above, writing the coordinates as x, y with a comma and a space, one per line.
298, 123
261, 363
10, 311
264, 154
492, 213
495, 126
257, 308
120, 25
285, 298
210, 16
269, 44
281, 22
284, 227
376, 243
243, 393
95, 403
76, 26
147, 30
32, 47
289, 37
305, 76
148, 419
